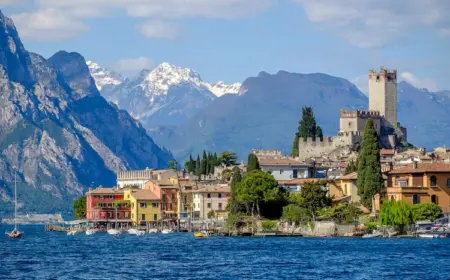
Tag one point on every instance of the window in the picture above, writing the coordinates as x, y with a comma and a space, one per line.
349, 124
220, 206
128, 196
397, 178
281, 171
127, 215
173, 196
403, 183
208, 205
185, 199
416, 199
143, 205
295, 173
448, 183
434, 199
219, 195
110, 205
110, 215
155, 217
433, 181
209, 195
142, 217
155, 204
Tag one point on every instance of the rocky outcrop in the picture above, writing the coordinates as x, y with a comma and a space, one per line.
57, 131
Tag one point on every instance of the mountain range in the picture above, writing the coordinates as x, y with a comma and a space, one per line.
264, 111
57, 133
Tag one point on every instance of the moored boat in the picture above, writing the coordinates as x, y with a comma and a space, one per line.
90, 231
166, 231
113, 231
72, 232
201, 234
136, 231
15, 233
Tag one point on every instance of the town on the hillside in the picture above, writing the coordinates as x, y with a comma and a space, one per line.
366, 180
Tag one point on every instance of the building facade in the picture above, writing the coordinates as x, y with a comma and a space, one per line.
107, 204
208, 199
134, 178
420, 183
145, 206
286, 169
383, 94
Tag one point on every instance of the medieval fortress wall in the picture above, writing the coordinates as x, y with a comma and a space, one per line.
382, 110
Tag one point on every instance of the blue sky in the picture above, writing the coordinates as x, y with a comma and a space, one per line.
231, 40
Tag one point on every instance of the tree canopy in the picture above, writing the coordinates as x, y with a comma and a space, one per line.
79, 208
426, 211
369, 167
396, 213
227, 158
252, 163
307, 128
313, 196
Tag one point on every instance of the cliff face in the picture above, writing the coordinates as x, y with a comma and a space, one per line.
58, 132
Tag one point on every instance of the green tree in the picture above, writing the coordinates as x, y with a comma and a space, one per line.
351, 167
211, 214
256, 188
319, 133
172, 165
227, 158
369, 166
313, 197
227, 174
236, 178
307, 128
203, 164
296, 214
198, 168
190, 165
426, 211
79, 208
396, 213
252, 163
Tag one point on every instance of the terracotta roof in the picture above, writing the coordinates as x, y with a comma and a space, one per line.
286, 161
422, 168
144, 195
214, 189
387, 152
102, 190
299, 181
350, 176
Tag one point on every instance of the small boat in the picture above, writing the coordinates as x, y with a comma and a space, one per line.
72, 232
201, 234
113, 231
166, 231
432, 235
136, 231
153, 230
15, 233
90, 231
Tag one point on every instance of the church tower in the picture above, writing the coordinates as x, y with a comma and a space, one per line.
383, 94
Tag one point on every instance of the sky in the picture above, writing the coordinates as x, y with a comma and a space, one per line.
230, 40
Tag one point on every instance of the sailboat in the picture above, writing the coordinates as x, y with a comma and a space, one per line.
15, 233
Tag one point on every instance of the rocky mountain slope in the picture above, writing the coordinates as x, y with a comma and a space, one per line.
267, 115
103, 77
166, 95
58, 132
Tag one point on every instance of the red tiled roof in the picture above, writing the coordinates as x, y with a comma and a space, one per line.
102, 190
214, 189
423, 168
387, 152
144, 195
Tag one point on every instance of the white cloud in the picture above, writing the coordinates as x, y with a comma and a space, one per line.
374, 23
130, 66
158, 15
417, 82
48, 25
158, 29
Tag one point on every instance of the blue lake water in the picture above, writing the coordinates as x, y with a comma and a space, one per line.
42, 255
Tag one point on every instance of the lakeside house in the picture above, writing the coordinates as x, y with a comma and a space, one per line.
101, 207
211, 198
420, 183
145, 206
286, 168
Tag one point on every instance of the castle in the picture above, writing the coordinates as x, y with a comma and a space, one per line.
382, 110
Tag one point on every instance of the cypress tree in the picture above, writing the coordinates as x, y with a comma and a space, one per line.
236, 178
252, 163
369, 168
198, 170
204, 163
307, 127
319, 133
191, 164
294, 151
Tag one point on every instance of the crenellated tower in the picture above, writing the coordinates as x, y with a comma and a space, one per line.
383, 94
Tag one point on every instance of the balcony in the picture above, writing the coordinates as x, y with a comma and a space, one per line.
407, 190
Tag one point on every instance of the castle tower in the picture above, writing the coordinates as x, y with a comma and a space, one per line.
383, 94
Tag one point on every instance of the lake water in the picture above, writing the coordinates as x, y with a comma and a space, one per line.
42, 255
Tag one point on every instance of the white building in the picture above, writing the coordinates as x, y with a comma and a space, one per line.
286, 169
133, 178
209, 199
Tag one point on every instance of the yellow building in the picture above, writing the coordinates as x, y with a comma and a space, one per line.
145, 206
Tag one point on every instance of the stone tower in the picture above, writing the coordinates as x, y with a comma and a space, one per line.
383, 94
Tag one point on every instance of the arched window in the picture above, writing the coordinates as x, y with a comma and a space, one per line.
434, 199
392, 198
416, 199
433, 181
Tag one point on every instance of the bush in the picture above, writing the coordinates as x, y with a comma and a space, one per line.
426, 211
268, 225
370, 227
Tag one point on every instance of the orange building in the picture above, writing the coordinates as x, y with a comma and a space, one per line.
169, 198
420, 183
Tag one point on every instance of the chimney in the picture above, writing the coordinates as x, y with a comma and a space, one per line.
414, 164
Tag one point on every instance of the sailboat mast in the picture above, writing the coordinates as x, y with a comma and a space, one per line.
15, 200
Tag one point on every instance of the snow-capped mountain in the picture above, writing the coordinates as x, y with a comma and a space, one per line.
220, 88
103, 76
166, 95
